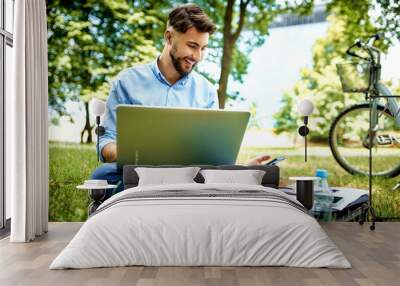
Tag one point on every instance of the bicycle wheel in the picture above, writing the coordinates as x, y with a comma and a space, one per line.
349, 142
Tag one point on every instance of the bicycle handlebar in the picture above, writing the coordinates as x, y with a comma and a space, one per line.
368, 47
350, 53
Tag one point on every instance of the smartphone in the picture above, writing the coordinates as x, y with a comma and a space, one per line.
275, 161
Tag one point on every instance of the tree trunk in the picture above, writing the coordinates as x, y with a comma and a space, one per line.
225, 71
226, 54
230, 39
88, 128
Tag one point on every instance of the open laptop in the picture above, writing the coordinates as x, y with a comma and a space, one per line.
182, 136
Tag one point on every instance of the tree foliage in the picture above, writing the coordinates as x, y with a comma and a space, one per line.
348, 21
242, 26
89, 42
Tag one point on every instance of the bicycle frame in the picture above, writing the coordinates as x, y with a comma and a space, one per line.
383, 118
379, 90
392, 105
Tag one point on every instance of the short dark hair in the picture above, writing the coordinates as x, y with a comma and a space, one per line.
187, 16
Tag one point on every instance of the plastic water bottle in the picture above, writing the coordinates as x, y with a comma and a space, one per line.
324, 196
322, 183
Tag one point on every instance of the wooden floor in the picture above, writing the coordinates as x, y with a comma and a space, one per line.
374, 255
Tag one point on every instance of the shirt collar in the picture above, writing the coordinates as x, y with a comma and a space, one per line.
154, 67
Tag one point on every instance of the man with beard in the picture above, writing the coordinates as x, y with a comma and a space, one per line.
168, 81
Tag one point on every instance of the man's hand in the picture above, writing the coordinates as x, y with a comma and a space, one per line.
109, 152
259, 160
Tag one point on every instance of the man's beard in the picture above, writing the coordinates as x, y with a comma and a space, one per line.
176, 61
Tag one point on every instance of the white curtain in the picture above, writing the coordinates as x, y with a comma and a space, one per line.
27, 144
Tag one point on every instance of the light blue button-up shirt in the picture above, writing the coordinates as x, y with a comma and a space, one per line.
146, 85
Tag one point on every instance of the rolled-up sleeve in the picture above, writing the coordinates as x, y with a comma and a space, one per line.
109, 121
213, 99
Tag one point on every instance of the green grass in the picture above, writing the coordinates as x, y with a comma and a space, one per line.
71, 164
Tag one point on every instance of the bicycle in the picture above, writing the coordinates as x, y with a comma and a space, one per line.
349, 137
